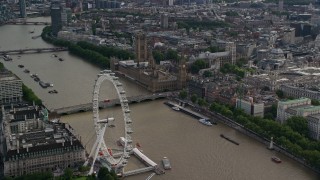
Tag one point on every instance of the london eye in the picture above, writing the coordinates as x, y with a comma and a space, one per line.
100, 150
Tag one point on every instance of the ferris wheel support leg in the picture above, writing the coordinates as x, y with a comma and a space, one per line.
91, 152
99, 140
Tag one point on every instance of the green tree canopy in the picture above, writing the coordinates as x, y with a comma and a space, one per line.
29, 96
172, 55
194, 98
103, 172
158, 56
298, 124
207, 74
1, 66
231, 13
315, 102
280, 94
68, 173
197, 66
214, 49
183, 94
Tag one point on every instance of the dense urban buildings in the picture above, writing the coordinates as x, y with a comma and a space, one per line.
32, 143
301, 107
249, 55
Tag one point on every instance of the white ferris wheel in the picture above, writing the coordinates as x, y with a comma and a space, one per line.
100, 151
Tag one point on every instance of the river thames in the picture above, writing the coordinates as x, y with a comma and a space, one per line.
195, 151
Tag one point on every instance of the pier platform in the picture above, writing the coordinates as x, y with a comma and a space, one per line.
189, 112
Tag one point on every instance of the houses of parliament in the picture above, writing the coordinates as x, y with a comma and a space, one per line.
145, 72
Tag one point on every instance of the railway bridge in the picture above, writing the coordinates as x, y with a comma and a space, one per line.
27, 23
33, 50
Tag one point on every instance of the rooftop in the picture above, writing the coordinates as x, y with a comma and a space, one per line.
300, 100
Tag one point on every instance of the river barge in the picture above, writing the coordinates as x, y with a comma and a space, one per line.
230, 140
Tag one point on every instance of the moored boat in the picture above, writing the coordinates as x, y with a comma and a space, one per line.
43, 84
276, 159
53, 91
21, 66
205, 122
26, 71
166, 163
7, 58
176, 108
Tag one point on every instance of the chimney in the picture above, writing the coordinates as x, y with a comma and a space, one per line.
25, 117
71, 141
27, 148
63, 143
14, 110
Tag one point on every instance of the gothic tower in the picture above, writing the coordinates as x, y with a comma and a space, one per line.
141, 47
230, 46
273, 79
182, 74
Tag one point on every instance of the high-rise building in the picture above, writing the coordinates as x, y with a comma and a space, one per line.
249, 107
141, 48
22, 6
56, 20
280, 5
10, 88
170, 3
164, 21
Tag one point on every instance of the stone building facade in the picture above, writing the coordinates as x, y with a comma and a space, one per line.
34, 144
10, 88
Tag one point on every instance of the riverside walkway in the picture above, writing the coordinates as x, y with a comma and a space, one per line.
240, 128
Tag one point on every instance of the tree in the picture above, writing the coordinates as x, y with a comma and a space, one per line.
84, 168
207, 74
109, 177
201, 102
231, 13
298, 124
214, 49
172, 55
29, 95
315, 102
158, 56
194, 98
197, 65
183, 94
280, 94
68, 173
103, 172
1, 66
